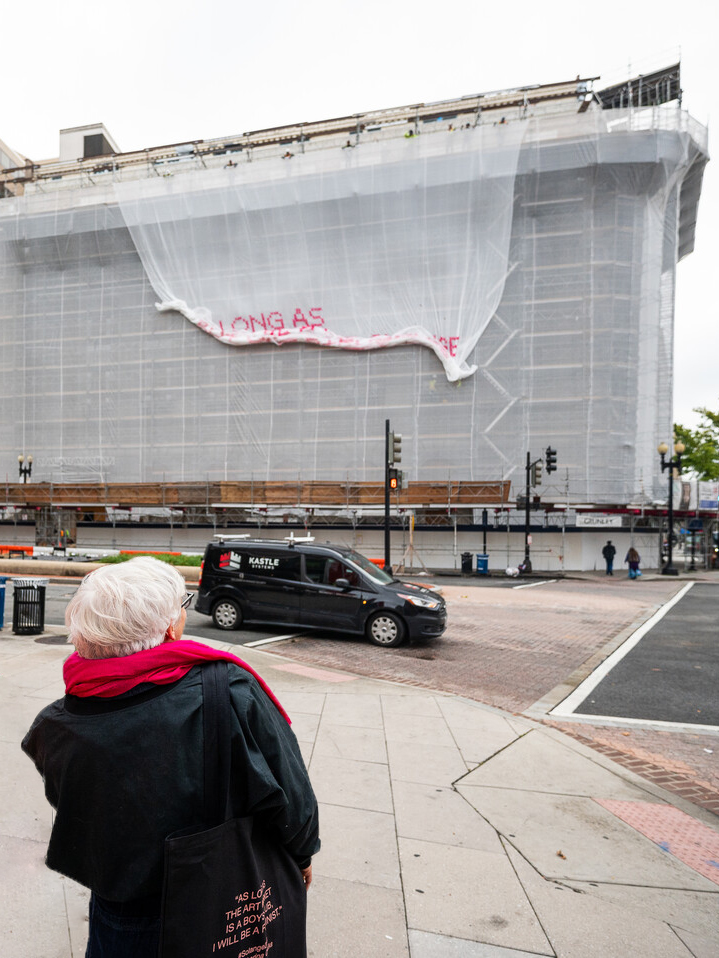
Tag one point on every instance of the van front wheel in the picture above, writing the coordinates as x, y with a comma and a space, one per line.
385, 629
227, 615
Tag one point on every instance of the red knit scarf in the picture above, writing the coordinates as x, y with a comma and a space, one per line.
160, 665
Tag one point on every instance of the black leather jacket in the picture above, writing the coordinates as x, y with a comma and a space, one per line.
124, 773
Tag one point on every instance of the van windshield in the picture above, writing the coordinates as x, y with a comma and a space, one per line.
372, 570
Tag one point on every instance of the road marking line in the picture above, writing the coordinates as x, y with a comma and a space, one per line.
568, 706
531, 585
275, 638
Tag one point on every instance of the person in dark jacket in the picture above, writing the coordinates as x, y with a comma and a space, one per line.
609, 552
121, 754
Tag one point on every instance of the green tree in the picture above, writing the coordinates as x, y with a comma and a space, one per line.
702, 445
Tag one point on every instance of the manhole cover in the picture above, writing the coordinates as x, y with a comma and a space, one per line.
52, 639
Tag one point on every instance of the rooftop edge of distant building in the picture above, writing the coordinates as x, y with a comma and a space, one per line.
95, 141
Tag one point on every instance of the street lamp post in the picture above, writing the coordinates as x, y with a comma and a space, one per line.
24, 471
671, 465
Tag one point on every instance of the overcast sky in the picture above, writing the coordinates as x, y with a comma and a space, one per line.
156, 72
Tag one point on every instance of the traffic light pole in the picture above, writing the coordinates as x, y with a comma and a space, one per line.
527, 561
534, 478
393, 478
386, 495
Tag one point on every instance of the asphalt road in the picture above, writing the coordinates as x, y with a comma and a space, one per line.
672, 674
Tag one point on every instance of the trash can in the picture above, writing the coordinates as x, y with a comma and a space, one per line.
3, 580
28, 613
466, 563
482, 564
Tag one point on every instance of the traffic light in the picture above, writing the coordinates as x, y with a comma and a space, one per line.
395, 478
537, 473
551, 459
395, 447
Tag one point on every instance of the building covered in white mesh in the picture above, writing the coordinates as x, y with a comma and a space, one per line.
493, 274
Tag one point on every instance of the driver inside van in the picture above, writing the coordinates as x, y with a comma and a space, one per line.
337, 571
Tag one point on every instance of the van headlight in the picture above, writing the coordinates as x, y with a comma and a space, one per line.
417, 600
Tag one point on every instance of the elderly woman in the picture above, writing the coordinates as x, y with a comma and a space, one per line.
122, 753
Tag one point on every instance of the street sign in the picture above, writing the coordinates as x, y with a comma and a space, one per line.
598, 519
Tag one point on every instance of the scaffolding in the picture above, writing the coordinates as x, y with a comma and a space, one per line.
495, 273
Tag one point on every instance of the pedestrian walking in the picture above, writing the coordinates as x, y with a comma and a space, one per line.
633, 559
609, 552
122, 753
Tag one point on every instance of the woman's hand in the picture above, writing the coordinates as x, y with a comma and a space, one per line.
307, 876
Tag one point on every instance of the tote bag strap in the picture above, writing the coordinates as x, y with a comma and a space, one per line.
216, 720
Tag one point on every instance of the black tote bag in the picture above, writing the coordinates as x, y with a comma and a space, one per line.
231, 889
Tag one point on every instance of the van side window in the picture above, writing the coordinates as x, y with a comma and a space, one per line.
338, 570
315, 568
326, 571
352, 576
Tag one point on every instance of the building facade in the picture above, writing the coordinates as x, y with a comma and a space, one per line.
493, 275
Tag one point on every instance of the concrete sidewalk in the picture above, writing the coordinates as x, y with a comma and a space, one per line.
449, 830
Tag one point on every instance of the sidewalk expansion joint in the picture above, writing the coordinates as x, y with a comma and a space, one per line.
403, 890
504, 841
490, 757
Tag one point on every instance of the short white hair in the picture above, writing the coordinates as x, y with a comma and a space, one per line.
124, 608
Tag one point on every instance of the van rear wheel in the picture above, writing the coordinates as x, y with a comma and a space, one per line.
385, 629
227, 615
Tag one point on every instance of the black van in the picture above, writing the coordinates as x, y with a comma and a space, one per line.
311, 586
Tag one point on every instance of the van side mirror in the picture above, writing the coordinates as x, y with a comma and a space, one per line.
342, 583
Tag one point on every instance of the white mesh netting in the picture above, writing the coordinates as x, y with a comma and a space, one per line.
385, 244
